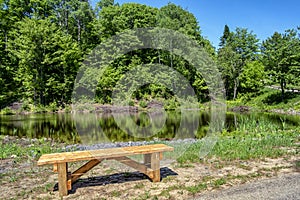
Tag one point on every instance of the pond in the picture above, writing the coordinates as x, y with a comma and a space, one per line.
97, 128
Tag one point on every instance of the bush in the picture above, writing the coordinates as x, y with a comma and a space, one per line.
143, 104
68, 108
131, 103
7, 111
52, 107
171, 104
39, 109
25, 106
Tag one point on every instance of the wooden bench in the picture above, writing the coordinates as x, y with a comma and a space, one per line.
150, 167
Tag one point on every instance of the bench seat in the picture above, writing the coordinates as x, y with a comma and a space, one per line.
150, 167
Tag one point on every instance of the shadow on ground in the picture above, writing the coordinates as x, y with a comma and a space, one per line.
115, 179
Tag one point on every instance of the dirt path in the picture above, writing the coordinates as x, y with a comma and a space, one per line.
111, 180
285, 186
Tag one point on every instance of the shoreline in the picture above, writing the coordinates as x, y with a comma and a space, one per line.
108, 109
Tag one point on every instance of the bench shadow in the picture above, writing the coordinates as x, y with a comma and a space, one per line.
115, 178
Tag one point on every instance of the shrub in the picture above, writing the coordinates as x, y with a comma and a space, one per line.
52, 107
131, 103
143, 104
7, 111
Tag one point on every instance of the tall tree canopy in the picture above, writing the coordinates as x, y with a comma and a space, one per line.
236, 50
281, 56
44, 41
47, 61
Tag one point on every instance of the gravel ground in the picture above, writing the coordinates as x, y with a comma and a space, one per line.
286, 186
82, 147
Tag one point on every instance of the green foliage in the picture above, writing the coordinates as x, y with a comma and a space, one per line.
7, 111
32, 151
114, 19
131, 103
236, 50
197, 188
42, 44
282, 59
268, 100
52, 107
252, 77
143, 104
39, 109
47, 60
225, 37
25, 106
171, 104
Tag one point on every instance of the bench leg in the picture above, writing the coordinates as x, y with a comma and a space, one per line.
153, 161
62, 178
147, 160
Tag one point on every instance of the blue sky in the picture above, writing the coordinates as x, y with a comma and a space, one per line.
263, 17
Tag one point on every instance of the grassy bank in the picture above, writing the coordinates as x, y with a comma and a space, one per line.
247, 147
229, 147
269, 100
21, 149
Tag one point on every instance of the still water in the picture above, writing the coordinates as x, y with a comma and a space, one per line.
96, 128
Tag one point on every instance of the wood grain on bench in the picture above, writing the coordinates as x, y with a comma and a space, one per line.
150, 167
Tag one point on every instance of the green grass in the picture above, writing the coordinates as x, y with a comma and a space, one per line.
139, 186
32, 151
196, 188
268, 99
257, 124
219, 182
116, 193
246, 146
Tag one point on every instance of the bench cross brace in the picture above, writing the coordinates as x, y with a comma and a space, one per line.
150, 167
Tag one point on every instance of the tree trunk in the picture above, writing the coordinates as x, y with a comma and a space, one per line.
171, 53
159, 59
67, 21
34, 89
282, 85
235, 122
236, 84
79, 31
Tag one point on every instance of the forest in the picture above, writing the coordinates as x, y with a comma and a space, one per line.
44, 42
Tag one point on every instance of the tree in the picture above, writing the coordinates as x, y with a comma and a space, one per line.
281, 58
115, 19
229, 64
38, 9
105, 3
226, 36
176, 18
7, 82
240, 47
47, 61
252, 78
74, 17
